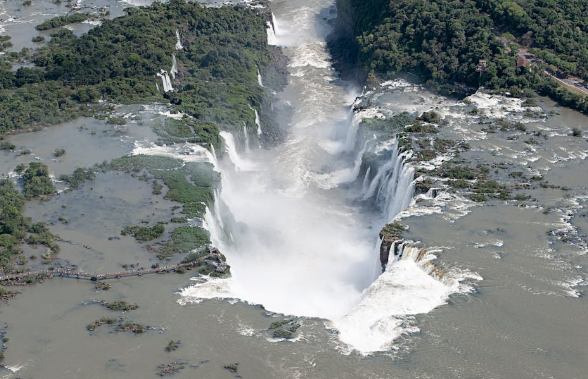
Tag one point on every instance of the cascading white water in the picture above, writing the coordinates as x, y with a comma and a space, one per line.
298, 243
259, 80
246, 137
352, 133
174, 68
257, 122
166, 81
179, 45
272, 38
391, 187
346, 175
404, 289
240, 164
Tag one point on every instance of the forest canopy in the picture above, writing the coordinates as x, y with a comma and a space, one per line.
119, 62
457, 42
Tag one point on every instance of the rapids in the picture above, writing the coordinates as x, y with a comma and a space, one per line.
300, 237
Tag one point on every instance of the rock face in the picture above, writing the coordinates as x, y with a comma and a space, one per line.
391, 236
387, 242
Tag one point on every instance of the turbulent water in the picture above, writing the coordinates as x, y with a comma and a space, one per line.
300, 239
299, 225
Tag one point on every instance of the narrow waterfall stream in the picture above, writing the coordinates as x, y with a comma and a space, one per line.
299, 238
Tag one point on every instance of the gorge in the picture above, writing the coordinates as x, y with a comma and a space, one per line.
371, 232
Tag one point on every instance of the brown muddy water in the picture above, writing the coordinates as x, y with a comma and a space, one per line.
520, 312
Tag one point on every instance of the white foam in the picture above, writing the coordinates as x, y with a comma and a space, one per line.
174, 68
166, 81
92, 22
187, 152
404, 289
179, 45
240, 163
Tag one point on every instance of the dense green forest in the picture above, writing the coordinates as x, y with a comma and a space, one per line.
15, 228
443, 41
56, 22
119, 60
557, 31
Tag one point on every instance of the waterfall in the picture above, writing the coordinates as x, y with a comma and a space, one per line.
246, 137
174, 68
297, 241
392, 187
259, 81
179, 45
272, 38
258, 123
157, 86
240, 164
366, 179
167, 84
214, 159
352, 132
407, 287
346, 175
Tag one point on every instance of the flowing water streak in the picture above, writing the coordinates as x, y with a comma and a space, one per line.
258, 123
271, 32
166, 81
246, 137
179, 45
174, 68
259, 80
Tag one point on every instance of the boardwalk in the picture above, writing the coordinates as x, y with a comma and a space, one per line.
218, 263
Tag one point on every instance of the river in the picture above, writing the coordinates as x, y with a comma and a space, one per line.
495, 295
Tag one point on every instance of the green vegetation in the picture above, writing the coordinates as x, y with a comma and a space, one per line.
13, 225
103, 321
116, 121
121, 327
284, 329
15, 228
38, 39
183, 239
277, 324
453, 45
6, 294
118, 61
5, 145
557, 31
188, 130
56, 22
393, 230
144, 233
131, 327
233, 367
102, 286
172, 346
37, 183
58, 153
78, 177
121, 305
191, 184
5, 44
390, 125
